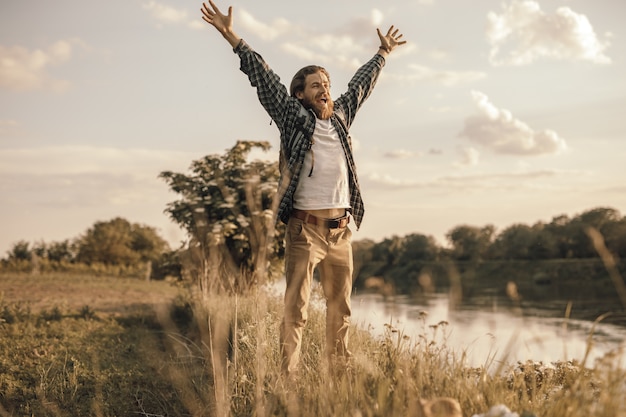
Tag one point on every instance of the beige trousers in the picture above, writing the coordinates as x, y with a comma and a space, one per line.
309, 246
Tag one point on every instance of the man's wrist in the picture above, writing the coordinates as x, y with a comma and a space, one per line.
385, 48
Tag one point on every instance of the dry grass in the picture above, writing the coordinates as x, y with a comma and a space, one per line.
178, 353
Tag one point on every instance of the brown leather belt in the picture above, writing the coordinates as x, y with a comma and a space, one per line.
311, 219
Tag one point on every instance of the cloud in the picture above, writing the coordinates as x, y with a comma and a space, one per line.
497, 130
469, 157
85, 176
88, 159
22, 69
168, 15
487, 182
343, 47
265, 31
165, 14
529, 34
401, 154
444, 77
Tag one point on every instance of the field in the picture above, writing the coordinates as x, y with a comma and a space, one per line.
106, 346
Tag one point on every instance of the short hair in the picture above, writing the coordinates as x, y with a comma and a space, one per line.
298, 80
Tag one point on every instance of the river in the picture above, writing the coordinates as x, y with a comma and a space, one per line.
490, 335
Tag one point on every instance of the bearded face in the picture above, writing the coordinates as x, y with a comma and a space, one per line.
316, 95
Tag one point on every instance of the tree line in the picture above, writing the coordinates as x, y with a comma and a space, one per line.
226, 206
399, 260
116, 246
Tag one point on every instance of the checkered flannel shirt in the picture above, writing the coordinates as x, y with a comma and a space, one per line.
296, 124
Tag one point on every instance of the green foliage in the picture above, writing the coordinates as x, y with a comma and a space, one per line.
408, 263
226, 208
20, 252
114, 247
118, 242
470, 243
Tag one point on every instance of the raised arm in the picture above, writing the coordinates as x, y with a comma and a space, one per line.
223, 23
389, 41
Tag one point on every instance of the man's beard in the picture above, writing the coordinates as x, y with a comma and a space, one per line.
324, 113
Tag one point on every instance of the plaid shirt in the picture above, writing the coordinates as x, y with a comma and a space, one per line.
296, 124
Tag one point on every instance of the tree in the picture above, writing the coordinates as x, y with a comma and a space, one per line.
118, 242
20, 251
226, 206
521, 241
470, 243
602, 219
417, 247
60, 251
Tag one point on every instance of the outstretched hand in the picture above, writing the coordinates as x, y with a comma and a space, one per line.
391, 40
223, 23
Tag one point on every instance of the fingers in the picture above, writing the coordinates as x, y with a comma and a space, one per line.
207, 13
392, 32
392, 38
210, 14
214, 7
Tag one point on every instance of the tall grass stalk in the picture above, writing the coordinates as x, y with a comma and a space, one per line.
238, 333
388, 374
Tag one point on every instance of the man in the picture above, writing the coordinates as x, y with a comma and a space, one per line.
318, 188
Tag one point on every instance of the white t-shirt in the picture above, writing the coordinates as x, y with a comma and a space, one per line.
328, 185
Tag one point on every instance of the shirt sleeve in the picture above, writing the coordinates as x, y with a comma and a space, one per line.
360, 87
272, 94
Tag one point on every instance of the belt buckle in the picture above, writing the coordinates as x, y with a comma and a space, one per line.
337, 223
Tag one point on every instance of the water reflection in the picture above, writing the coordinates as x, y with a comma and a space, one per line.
498, 333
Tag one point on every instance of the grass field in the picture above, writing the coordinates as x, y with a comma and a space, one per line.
105, 346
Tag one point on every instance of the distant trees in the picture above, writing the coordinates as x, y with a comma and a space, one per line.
562, 238
112, 246
20, 251
400, 259
225, 206
470, 243
396, 260
119, 242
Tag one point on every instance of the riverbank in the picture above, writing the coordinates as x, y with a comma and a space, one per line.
122, 347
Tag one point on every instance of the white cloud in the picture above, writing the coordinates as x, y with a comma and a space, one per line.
444, 77
265, 31
469, 157
86, 176
377, 17
523, 33
197, 24
497, 130
22, 69
343, 47
401, 154
308, 54
522, 180
165, 14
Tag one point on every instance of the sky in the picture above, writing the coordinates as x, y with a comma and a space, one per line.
495, 112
